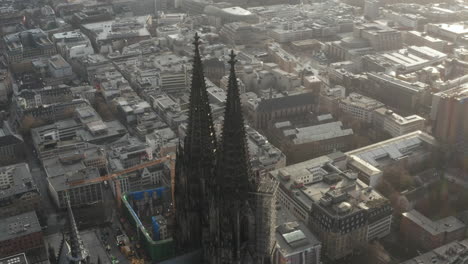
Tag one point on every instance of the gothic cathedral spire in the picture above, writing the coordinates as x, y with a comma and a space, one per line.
195, 162
233, 178
233, 156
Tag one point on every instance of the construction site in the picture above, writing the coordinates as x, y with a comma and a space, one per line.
148, 218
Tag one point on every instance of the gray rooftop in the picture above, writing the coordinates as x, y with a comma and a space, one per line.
452, 253
19, 225
448, 224
310, 181
294, 237
393, 149
19, 178
15, 259
317, 133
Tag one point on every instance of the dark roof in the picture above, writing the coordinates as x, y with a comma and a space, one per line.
7, 137
290, 101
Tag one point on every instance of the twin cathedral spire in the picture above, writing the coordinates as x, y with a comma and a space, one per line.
213, 178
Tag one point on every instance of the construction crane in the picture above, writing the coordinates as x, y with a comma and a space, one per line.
115, 176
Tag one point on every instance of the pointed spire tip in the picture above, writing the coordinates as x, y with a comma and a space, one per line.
233, 60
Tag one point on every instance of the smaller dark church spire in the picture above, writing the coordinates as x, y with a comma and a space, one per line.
78, 253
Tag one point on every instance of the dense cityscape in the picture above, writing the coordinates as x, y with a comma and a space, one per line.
236, 131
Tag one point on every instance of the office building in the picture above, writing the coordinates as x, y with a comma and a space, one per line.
107, 36
16, 259
455, 32
428, 234
20, 193
371, 9
11, 145
20, 233
410, 150
262, 113
72, 44
379, 37
452, 252
397, 125
407, 97
295, 244
416, 38
6, 86
341, 210
449, 112
302, 143
66, 173
359, 107
27, 45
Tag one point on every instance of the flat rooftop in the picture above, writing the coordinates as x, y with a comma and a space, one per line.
456, 28
294, 237
120, 28
308, 134
448, 224
393, 149
19, 225
15, 259
19, 180
238, 11
361, 101
451, 253
310, 181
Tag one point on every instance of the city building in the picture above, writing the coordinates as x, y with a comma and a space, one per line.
264, 156
17, 259
428, 234
397, 125
59, 68
72, 44
416, 38
66, 171
367, 38
6, 86
371, 9
45, 96
237, 33
11, 19
20, 234
454, 32
303, 143
28, 116
112, 35
409, 150
19, 192
342, 211
27, 45
12, 148
449, 253
359, 107
403, 61
406, 20
380, 37
143, 179
263, 112
295, 243
85, 127
407, 97
450, 120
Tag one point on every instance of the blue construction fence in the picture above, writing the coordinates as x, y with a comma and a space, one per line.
141, 194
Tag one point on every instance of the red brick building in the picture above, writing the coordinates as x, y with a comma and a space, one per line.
20, 233
426, 234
